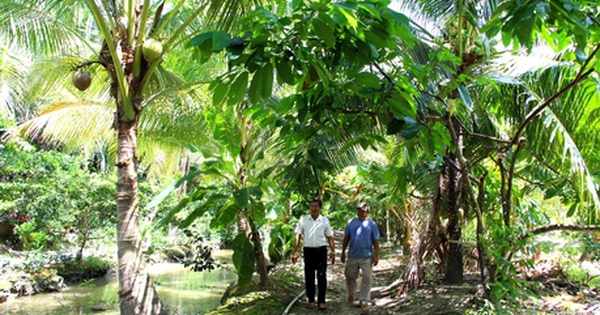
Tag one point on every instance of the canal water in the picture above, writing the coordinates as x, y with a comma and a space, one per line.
183, 291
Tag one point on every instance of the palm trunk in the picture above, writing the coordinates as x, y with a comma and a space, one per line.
454, 271
414, 268
261, 261
137, 295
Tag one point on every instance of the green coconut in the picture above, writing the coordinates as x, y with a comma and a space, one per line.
152, 49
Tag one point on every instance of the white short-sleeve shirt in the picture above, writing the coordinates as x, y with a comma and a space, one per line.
315, 231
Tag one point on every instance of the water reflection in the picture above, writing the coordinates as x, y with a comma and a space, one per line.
184, 292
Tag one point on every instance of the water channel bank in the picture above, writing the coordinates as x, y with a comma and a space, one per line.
181, 290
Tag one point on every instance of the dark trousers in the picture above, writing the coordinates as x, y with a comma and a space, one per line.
315, 259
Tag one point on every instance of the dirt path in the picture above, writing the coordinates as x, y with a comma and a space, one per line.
336, 287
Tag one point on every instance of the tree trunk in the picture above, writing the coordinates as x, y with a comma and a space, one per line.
261, 261
454, 270
184, 166
407, 241
136, 292
414, 268
242, 225
83, 233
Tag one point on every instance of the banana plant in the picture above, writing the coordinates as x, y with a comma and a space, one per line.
234, 177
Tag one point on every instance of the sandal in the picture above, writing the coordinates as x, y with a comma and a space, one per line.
322, 306
311, 305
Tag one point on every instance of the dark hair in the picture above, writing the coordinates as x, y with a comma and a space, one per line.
318, 201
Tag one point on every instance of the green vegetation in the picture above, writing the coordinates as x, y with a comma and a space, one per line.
169, 129
49, 196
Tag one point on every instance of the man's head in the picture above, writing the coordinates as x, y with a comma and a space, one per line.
315, 206
362, 210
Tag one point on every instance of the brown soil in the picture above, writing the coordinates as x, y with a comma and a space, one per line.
429, 299
553, 294
287, 282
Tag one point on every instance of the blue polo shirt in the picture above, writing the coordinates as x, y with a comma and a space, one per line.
362, 234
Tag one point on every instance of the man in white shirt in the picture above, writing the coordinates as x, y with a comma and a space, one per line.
317, 233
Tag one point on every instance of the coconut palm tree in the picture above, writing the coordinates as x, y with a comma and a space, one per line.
478, 123
131, 39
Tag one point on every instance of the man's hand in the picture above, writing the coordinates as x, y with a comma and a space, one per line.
375, 259
332, 257
343, 258
294, 257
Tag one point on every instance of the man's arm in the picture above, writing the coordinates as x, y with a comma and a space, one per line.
332, 247
344, 246
375, 252
296, 243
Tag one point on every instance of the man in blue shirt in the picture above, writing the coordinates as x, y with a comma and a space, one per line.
362, 235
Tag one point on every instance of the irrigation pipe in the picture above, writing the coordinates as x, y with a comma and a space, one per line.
287, 309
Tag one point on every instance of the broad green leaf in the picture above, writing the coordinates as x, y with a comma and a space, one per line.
258, 212
221, 40
260, 40
295, 4
395, 126
572, 209
376, 39
285, 104
236, 46
209, 203
324, 32
255, 193
322, 72
284, 71
441, 137
238, 88
219, 93
412, 129
254, 90
242, 197
165, 220
267, 85
367, 80
369, 7
243, 259
200, 39
261, 86
344, 15
225, 215
160, 197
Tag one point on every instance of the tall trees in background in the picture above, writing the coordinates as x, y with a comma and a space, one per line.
443, 92
509, 117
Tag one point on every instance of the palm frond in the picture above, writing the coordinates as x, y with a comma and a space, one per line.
562, 129
73, 125
223, 14
437, 14
15, 64
507, 67
45, 26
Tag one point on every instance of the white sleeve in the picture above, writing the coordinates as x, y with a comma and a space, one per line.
299, 226
328, 229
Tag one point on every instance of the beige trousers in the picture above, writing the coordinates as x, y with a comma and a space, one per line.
352, 271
